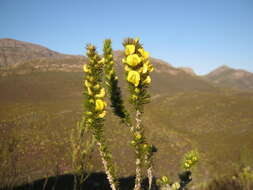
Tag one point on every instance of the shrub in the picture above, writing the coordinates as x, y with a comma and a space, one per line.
101, 79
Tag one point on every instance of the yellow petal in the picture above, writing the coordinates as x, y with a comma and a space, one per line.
88, 113
147, 80
102, 60
89, 91
127, 68
101, 93
133, 77
102, 115
87, 84
145, 68
129, 49
97, 86
86, 69
143, 53
99, 105
133, 60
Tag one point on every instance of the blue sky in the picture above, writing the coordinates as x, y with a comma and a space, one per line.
201, 34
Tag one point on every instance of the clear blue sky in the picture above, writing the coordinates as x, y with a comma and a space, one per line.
202, 34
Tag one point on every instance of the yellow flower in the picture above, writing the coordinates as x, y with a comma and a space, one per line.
101, 93
130, 49
99, 105
133, 77
87, 84
147, 80
102, 115
133, 60
143, 53
165, 179
86, 69
175, 186
186, 165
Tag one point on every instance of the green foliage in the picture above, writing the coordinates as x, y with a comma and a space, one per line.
111, 81
137, 68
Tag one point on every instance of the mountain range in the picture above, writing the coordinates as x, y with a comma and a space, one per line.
41, 102
17, 57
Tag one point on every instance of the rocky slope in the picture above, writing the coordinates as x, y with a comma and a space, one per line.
234, 78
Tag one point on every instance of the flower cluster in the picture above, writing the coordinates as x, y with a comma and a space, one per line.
138, 69
190, 159
94, 104
94, 92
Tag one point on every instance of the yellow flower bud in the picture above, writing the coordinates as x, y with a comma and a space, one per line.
88, 113
143, 53
138, 136
165, 179
89, 121
133, 77
127, 68
123, 60
96, 86
86, 69
129, 49
102, 61
87, 84
134, 97
147, 80
175, 186
102, 115
91, 101
90, 78
101, 93
137, 90
89, 91
99, 105
133, 143
133, 60
150, 68
145, 68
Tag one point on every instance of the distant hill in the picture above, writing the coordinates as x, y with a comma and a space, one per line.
234, 78
18, 58
188, 70
24, 58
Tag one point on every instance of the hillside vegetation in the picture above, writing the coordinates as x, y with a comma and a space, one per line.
40, 108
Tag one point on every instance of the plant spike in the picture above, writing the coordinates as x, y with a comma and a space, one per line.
111, 81
138, 68
95, 112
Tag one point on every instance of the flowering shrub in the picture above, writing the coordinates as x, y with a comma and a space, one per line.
100, 79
